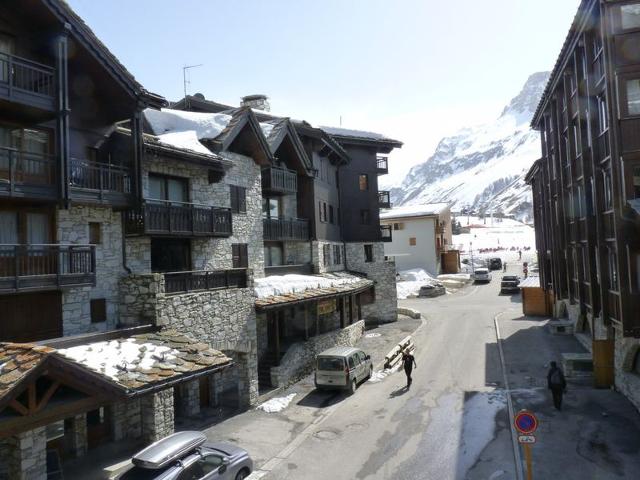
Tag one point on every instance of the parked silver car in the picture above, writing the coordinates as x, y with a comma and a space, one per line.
481, 275
188, 456
343, 368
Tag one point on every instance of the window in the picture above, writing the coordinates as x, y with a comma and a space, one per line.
98, 310
330, 213
608, 194
368, 253
326, 255
324, 210
271, 207
210, 463
635, 178
170, 255
398, 226
238, 199
365, 217
352, 363
613, 270
94, 233
168, 189
630, 16
603, 119
272, 255
239, 255
633, 96
636, 363
337, 254
363, 181
412, 241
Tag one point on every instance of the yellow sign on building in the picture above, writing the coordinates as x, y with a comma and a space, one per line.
326, 306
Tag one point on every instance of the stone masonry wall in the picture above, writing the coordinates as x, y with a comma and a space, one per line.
299, 357
626, 379
73, 228
383, 273
317, 257
126, 422
157, 415
138, 299
24, 456
297, 253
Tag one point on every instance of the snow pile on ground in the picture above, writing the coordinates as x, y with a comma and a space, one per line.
185, 129
373, 335
111, 358
276, 404
379, 375
410, 282
454, 281
282, 284
478, 426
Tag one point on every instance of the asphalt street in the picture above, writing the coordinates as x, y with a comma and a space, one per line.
451, 424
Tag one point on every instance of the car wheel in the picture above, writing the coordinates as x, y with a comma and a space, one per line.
352, 387
242, 474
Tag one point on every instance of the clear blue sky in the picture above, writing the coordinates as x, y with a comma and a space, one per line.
413, 69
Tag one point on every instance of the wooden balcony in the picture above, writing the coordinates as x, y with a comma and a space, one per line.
27, 175
384, 199
382, 165
386, 233
46, 267
296, 229
301, 269
279, 180
27, 83
100, 183
177, 219
204, 280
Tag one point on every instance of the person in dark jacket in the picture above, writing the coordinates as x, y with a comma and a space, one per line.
408, 362
557, 384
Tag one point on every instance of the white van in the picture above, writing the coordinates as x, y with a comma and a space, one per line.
342, 368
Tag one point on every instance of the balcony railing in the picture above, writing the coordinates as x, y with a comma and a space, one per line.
25, 174
285, 229
202, 280
99, 181
383, 165
279, 180
45, 267
158, 217
384, 199
386, 233
27, 82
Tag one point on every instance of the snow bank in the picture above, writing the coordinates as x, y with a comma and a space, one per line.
111, 358
280, 285
412, 280
185, 129
276, 404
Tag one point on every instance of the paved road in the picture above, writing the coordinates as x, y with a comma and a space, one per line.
452, 424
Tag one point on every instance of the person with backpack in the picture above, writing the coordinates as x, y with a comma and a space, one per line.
557, 384
408, 362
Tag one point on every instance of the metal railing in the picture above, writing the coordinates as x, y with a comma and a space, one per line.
386, 234
285, 228
382, 164
279, 180
384, 199
20, 74
39, 266
99, 176
19, 168
202, 280
177, 218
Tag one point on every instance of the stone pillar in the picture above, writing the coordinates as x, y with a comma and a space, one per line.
125, 420
247, 365
78, 435
190, 398
28, 455
156, 410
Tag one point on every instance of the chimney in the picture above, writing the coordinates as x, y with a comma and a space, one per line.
259, 102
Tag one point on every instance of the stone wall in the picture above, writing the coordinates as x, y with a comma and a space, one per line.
138, 299
297, 253
318, 260
627, 379
24, 456
300, 356
126, 422
73, 228
157, 415
383, 273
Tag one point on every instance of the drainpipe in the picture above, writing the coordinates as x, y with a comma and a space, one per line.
124, 246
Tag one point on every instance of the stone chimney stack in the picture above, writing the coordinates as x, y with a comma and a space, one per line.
259, 102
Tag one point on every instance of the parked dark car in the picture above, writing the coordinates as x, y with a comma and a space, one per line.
510, 284
188, 455
495, 264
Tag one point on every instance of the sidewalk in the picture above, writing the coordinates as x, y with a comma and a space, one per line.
597, 433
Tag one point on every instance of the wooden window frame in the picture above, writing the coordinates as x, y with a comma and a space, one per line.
95, 233
238, 196
363, 180
240, 255
98, 307
368, 253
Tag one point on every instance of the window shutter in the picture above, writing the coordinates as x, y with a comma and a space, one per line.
242, 199
235, 255
234, 199
244, 256
239, 255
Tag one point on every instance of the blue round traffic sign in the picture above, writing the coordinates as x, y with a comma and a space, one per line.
525, 422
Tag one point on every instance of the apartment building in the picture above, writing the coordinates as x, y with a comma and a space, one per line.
587, 184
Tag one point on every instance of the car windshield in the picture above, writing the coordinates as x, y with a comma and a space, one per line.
332, 364
481, 271
509, 278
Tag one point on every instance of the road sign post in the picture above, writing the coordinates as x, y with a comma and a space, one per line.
526, 423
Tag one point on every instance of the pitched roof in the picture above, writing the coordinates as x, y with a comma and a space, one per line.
408, 211
346, 135
17, 362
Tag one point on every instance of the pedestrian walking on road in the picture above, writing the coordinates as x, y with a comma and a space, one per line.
504, 267
408, 362
519, 254
557, 384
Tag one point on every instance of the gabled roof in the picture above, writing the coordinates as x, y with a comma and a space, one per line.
234, 138
279, 130
362, 137
92, 43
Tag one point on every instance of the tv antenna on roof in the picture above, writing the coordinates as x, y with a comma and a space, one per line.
184, 77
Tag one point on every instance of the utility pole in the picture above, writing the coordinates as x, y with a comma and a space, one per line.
184, 77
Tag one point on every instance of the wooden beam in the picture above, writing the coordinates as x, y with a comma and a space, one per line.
47, 396
18, 407
31, 396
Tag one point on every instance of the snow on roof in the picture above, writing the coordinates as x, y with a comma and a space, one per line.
266, 128
345, 132
280, 285
408, 211
186, 129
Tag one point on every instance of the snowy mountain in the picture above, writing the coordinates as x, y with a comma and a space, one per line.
482, 167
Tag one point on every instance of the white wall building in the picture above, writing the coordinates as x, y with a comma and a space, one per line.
420, 233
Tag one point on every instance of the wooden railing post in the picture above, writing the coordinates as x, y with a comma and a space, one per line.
12, 170
16, 254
